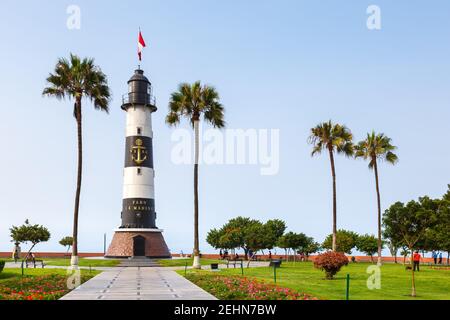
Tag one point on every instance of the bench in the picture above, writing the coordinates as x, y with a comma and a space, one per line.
33, 262
275, 263
234, 262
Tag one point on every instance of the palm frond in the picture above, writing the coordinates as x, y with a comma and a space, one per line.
331, 136
191, 101
376, 146
76, 78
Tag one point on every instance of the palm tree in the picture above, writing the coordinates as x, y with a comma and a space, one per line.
334, 138
374, 147
77, 79
192, 101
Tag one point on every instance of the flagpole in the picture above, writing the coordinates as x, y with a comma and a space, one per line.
141, 46
139, 63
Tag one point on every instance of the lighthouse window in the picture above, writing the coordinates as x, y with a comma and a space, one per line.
139, 131
139, 171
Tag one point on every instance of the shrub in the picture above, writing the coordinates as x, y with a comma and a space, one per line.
43, 287
2, 265
330, 262
241, 288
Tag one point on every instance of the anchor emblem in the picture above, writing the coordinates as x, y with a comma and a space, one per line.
138, 152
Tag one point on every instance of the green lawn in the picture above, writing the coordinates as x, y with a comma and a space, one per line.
82, 262
395, 281
182, 262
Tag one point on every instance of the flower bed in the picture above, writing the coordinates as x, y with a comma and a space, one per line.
439, 268
47, 287
241, 288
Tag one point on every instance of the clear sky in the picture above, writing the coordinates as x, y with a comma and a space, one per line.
284, 65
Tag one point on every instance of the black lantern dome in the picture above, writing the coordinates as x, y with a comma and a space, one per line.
139, 92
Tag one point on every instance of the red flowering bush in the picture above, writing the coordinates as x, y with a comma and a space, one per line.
241, 288
48, 287
331, 262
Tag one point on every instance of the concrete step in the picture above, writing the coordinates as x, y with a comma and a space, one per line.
139, 262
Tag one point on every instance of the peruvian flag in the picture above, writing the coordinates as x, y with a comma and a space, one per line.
141, 45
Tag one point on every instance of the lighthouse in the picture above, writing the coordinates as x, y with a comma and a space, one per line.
138, 235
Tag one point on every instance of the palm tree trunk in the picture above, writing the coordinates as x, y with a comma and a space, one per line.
74, 259
379, 211
333, 173
196, 262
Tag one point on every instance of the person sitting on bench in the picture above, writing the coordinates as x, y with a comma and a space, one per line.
33, 257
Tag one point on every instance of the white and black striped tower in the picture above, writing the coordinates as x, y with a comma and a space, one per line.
138, 235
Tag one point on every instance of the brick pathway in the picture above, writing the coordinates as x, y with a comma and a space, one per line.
135, 283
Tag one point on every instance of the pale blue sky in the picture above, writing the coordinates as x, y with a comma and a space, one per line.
285, 65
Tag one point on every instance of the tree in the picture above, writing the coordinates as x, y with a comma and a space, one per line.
290, 241
274, 229
191, 102
221, 239
367, 244
345, 241
66, 242
310, 247
404, 253
377, 147
438, 237
333, 138
248, 234
235, 232
393, 238
393, 249
256, 238
283, 243
412, 221
77, 79
213, 239
27, 232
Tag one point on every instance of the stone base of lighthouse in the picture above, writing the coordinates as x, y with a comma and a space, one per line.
128, 243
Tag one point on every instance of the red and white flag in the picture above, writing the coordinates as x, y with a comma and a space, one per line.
141, 45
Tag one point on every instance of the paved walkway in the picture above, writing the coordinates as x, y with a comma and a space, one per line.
138, 284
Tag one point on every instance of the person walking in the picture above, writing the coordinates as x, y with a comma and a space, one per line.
416, 260
16, 252
434, 255
440, 257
